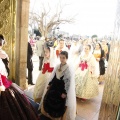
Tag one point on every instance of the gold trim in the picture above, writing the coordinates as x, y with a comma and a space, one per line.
8, 29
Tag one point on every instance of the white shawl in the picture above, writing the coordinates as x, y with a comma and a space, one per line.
68, 73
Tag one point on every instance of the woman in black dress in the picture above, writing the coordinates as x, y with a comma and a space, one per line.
58, 100
14, 105
99, 54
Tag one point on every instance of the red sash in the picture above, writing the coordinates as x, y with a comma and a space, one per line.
46, 67
83, 65
4, 81
58, 52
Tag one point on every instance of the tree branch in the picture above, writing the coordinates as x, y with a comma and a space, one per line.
46, 21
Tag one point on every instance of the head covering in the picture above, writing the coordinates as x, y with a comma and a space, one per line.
90, 52
71, 95
3, 54
52, 57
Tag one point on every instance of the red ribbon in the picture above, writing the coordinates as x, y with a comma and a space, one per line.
4, 81
83, 65
46, 67
58, 52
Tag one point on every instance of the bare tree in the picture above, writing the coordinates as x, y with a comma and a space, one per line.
47, 21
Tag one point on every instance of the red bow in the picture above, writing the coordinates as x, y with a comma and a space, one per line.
46, 67
4, 81
83, 65
58, 52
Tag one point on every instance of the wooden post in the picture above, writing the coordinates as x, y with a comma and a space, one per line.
111, 96
22, 19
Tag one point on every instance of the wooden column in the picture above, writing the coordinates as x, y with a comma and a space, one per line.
118, 115
22, 19
111, 96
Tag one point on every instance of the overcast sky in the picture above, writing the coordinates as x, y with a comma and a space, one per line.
92, 16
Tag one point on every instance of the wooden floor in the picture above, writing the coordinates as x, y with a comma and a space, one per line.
89, 110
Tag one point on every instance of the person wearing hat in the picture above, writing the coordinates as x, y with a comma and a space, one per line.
40, 51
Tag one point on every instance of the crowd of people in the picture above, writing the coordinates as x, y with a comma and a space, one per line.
69, 69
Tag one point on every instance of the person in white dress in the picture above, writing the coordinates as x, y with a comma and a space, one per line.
47, 68
85, 75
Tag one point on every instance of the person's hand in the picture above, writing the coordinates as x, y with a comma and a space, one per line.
103, 58
98, 59
48, 87
2, 88
63, 95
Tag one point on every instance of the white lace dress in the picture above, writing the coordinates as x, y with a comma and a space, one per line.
86, 78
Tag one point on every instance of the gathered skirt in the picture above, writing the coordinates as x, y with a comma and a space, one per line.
15, 106
64, 117
41, 83
86, 85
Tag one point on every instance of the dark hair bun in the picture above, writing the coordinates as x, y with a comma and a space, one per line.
1, 36
2, 41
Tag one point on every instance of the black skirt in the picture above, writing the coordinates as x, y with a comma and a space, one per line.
53, 103
15, 106
102, 67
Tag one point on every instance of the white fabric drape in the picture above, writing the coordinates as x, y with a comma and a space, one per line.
71, 95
